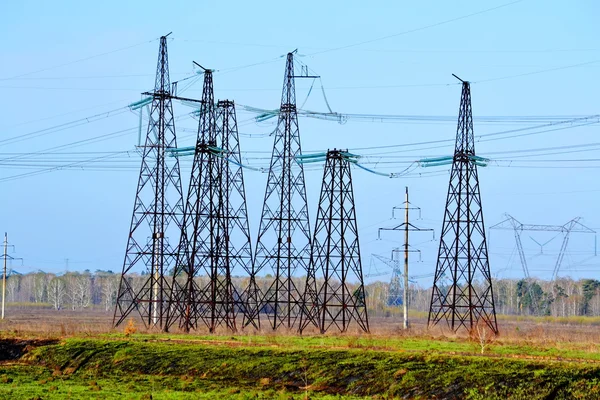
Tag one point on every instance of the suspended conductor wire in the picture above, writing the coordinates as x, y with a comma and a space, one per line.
47, 170
61, 127
82, 142
224, 71
537, 72
79, 60
479, 137
400, 118
418, 29
190, 151
372, 171
325, 97
308, 94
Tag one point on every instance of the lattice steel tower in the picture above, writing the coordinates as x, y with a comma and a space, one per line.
462, 287
215, 240
238, 251
157, 212
340, 299
201, 234
283, 242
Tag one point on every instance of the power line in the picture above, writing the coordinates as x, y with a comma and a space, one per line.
418, 29
537, 72
78, 60
61, 127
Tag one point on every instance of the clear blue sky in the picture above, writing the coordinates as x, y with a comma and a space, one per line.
60, 65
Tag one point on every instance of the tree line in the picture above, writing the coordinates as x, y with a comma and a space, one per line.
84, 290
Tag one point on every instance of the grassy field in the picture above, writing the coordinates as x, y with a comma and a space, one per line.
284, 367
68, 357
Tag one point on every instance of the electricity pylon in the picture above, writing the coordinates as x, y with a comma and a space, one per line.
463, 253
195, 299
283, 243
157, 212
335, 259
215, 241
238, 256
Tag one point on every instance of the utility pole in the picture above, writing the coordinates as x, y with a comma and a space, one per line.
4, 274
395, 281
6, 257
405, 298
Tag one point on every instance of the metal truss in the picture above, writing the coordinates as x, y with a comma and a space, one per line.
340, 299
462, 288
573, 226
283, 243
157, 212
215, 242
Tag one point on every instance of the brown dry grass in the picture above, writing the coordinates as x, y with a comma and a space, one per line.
544, 332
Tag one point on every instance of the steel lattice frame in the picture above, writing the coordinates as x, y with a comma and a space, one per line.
283, 242
340, 299
573, 226
202, 233
154, 219
237, 250
215, 222
467, 297
396, 287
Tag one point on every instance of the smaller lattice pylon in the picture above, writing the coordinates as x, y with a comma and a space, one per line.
335, 292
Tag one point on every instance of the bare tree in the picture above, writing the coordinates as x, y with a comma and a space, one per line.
482, 334
83, 291
12, 287
56, 292
79, 290
110, 284
40, 284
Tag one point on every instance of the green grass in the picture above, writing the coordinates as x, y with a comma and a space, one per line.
290, 368
522, 348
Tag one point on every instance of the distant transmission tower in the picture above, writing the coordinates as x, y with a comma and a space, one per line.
340, 299
283, 242
157, 212
463, 255
573, 226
